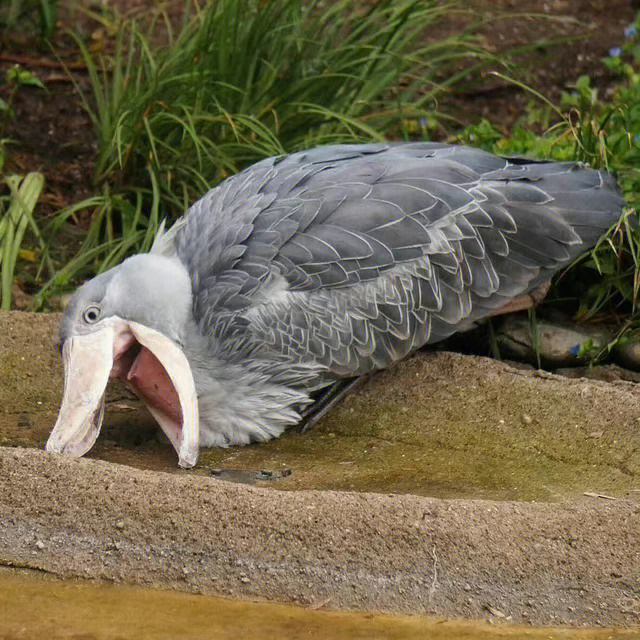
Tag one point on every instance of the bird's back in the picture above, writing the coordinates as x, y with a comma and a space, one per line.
353, 255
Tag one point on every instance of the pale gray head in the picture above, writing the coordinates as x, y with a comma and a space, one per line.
152, 290
129, 323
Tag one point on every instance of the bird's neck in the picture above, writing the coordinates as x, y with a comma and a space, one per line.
246, 394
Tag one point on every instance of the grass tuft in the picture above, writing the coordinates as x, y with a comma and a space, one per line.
16, 214
247, 79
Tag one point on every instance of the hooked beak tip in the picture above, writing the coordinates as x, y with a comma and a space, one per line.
187, 459
87, 362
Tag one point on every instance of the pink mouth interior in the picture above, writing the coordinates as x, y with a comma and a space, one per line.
143, 373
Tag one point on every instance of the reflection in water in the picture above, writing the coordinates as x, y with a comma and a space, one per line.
32, 606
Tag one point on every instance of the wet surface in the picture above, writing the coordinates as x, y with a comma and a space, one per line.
37, 607
372, 442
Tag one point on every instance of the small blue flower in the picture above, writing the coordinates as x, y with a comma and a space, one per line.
615, 52
630, 31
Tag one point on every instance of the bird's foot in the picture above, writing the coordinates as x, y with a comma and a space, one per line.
526, 301
327, 399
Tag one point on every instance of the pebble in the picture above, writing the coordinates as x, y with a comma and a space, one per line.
40, 544
628, 354
120, 524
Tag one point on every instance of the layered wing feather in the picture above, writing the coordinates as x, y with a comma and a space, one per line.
353, 255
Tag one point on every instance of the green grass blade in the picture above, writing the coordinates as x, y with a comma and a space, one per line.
24, 196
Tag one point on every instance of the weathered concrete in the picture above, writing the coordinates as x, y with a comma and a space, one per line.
438, 424
563, 563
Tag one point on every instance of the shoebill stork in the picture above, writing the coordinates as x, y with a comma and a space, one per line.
312, 267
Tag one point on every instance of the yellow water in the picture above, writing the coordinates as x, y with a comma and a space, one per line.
35, 607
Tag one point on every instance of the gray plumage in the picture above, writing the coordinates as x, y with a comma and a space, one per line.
340, 260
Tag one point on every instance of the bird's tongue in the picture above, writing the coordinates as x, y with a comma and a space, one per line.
153, 384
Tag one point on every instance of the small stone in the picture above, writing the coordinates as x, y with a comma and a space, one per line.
40, 544
120, 525
467, 587
628, 354
117, 545
185, 571
556, 344
244, 579
527, 419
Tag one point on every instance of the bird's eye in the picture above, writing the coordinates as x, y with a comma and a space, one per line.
91, 314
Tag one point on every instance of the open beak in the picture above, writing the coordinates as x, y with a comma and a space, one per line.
148, 363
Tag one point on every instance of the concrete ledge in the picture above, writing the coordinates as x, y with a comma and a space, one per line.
544, 563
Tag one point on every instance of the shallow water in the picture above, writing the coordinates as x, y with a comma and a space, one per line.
438, 425
35, 606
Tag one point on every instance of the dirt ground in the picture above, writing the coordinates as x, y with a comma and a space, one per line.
52, 133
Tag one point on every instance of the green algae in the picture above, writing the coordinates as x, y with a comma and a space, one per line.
439, 424
489, 432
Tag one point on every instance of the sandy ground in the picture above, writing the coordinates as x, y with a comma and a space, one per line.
434, 421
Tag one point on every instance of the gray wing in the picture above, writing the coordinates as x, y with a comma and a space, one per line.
353, 255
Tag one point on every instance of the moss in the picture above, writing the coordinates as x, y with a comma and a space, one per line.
488, 432
442, 425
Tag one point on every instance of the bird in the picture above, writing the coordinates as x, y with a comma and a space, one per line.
314, 267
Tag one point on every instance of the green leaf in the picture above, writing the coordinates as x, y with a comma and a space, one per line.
18, 75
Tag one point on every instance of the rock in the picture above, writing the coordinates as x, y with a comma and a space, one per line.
437, 425
606, 373
30, 368
556, 344
627, 353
